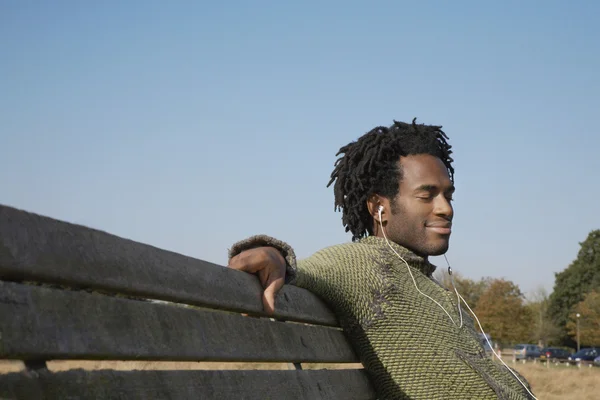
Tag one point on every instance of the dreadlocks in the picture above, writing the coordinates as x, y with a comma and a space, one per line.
370, 166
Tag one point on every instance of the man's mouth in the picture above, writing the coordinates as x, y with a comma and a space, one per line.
443, 228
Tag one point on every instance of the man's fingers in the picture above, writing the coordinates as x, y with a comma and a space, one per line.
268, 302
243, 262
234, 263
273, 286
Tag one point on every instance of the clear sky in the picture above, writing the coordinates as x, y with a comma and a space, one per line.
190, 125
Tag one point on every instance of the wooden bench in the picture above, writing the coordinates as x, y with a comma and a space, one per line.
68, 292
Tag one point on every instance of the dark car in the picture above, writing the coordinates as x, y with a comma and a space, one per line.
586, 355
554, 354
527, 351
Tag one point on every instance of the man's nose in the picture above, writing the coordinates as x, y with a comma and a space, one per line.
443, 207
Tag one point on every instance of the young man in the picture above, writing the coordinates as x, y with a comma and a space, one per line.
394, 186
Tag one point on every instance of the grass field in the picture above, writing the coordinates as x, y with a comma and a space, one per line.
557, 382
560, 382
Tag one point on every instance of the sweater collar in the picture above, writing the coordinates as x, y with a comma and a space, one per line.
411, 258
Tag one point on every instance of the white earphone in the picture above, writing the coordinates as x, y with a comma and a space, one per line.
458, 296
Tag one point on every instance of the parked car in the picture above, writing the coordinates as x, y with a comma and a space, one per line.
484, 343
587, 355
554, 354
597, 361
527, 351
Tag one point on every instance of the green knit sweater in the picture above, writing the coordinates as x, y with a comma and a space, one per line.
407, 344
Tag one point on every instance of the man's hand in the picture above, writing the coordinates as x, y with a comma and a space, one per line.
269, 265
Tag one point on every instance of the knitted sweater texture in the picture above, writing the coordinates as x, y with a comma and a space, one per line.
408, 345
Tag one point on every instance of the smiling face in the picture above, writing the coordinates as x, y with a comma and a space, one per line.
420, 216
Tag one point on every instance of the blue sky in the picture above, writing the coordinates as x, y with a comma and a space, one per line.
190, 125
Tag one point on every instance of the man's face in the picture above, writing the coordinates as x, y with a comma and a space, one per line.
421, 214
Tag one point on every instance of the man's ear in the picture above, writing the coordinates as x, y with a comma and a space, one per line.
374, 202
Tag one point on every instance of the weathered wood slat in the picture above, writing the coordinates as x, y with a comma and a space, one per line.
181, 385
34, 247
46, 323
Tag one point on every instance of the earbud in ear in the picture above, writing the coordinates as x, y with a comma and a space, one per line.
380, 210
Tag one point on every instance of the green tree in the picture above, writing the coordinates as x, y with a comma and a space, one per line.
502, 312
573, 283
543, 330
469, 289
589, 320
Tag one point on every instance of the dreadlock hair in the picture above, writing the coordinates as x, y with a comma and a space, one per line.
370, 166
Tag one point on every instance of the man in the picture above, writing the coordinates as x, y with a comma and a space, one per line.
394, 186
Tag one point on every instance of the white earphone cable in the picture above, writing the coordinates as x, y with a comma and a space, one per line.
459, 299
415, 282
486, 338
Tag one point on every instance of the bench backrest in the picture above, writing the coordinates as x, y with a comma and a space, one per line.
68, 292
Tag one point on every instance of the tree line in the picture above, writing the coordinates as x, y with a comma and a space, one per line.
547, 319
